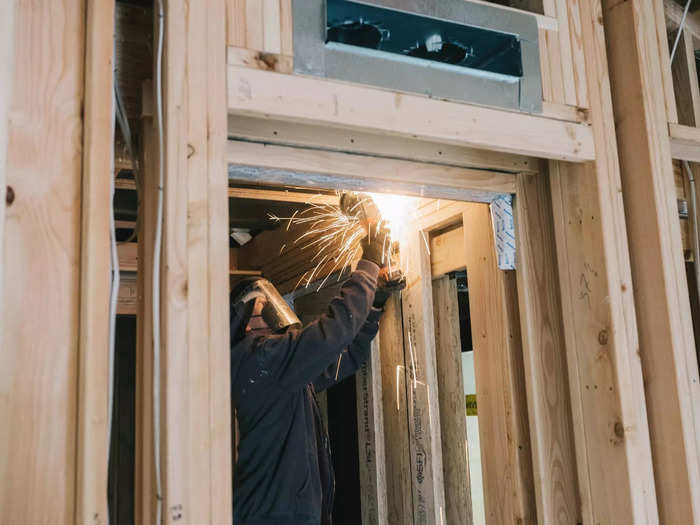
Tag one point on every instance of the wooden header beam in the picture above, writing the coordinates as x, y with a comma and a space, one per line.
313, 101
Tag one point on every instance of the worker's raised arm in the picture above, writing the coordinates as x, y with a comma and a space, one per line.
297, 357
354, 357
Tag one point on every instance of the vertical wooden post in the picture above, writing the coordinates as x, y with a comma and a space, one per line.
395, 411
196, 419
666, 342
423, 404
453, 421
41, 262
7, 60
544, 354
503, 428
616, 478
144, 486
95, 264
370, 436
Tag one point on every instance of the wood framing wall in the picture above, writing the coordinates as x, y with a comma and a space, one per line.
667, 345
587, 374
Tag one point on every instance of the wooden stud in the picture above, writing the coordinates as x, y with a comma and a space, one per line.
255, 25
144, 486
395, 411
197, 464
284, 97
665, 61
286, 28
236, 23
453, 424
272, 42
219, 398
685, 83
41, 279
370, 435
509, 495
7, 60
95, 264
423, 403
544, 354
666, 342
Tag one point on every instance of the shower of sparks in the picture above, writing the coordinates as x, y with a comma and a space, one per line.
335, 237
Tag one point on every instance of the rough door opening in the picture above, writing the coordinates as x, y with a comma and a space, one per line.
398, 429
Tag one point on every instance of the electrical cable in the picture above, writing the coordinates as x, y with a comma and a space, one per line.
693, 208
680, 30
123, 121
156, 264
114, 287
693, 212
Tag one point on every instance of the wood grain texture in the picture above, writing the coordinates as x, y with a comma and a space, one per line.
544, 354
365, 167
612, 445
395, 410
196, 418
423, 404
370, 434
41, 281
509, 494
666, 339
144, 484
239, 56
447, 252
685, 82
219, 397
453, 423
285, 97
7, 59
95, 265
350, 141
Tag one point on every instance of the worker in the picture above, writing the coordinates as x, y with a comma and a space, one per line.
284, 473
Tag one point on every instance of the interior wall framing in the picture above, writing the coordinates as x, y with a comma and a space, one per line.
666, 343
44, 298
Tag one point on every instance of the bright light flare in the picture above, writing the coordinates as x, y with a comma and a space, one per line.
396, 211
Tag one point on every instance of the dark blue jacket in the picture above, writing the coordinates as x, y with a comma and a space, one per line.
284, 474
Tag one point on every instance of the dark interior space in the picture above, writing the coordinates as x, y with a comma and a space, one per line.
122, 451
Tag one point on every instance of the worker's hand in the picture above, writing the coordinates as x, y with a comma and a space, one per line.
360, 206
386, 285
376, 245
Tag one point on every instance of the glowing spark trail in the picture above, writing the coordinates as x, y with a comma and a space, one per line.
335, 237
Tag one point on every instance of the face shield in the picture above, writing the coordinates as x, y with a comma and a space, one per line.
276, 312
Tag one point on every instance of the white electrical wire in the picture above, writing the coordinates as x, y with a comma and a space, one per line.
693, 212
113, 292
156, 265
680, 30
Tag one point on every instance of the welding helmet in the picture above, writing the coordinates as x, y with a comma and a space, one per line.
277, 313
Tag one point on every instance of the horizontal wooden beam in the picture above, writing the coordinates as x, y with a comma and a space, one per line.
447, 252
543, 22
265, 94
353, 141
282, 196
390, 173
685, 142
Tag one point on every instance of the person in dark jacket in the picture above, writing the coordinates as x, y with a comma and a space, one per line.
284, 473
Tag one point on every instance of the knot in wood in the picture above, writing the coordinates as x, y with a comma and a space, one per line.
9, 196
